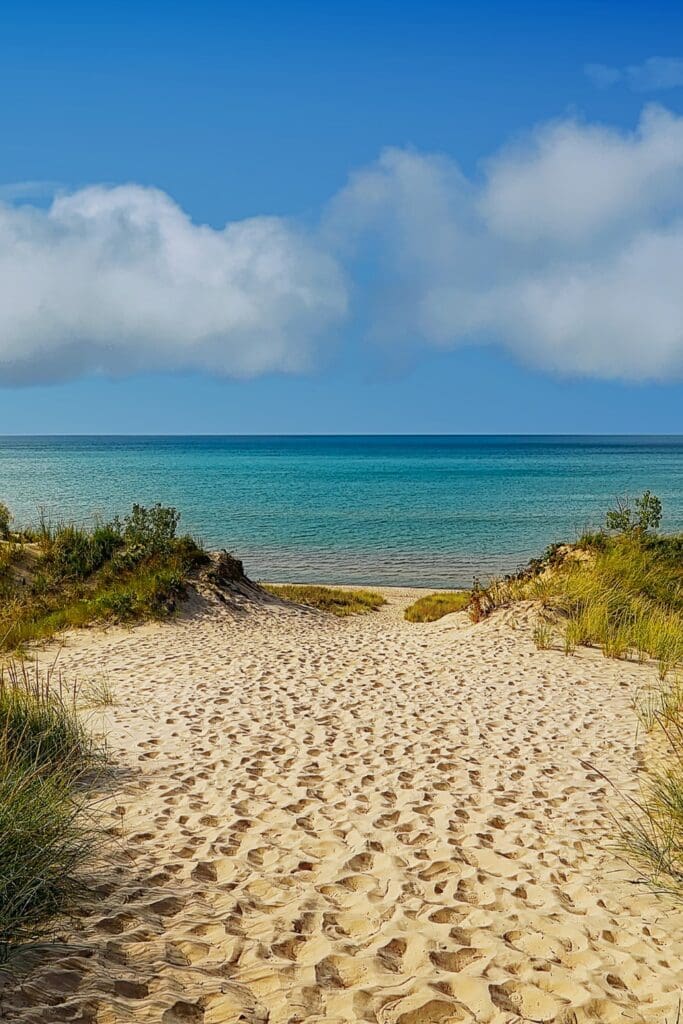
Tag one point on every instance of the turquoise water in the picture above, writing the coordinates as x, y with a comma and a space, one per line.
423, 511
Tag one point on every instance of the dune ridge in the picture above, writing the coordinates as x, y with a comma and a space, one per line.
360, 820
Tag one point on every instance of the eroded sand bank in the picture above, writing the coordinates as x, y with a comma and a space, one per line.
361, 820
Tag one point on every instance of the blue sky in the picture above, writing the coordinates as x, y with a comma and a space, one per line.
341, 316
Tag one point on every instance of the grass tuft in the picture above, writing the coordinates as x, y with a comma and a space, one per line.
328, 599
435, 606
46, 832
543, 636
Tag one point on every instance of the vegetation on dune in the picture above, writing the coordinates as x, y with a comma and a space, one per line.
435, 606
621, 589
52, 578
5, 520
58, 577
328, 599
46, 831
653, 832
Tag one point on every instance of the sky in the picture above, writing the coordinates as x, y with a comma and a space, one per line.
326, 218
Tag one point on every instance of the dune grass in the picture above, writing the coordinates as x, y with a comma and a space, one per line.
623, 593
47, 833
652, 828
328, 599
66, 576
53, 578
624, 596
435, 606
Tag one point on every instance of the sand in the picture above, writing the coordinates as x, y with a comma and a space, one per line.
360, 820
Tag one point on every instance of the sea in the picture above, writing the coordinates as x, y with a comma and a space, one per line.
392, 510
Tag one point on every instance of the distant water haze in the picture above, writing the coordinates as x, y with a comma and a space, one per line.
408, 511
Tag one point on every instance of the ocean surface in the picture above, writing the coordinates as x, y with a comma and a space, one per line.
412, 511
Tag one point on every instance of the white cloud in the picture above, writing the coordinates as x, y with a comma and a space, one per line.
568, 251
115, 280
566, 248
653, 75
573, 181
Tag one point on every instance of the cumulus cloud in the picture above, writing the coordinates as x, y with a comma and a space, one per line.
117, 280
568, 249
653, 75
573, 181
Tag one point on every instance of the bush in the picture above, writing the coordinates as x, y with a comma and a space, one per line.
72, 552
150, 531
120, 571
5, 520
648, 514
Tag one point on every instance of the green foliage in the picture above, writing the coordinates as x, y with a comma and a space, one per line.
625, 597
623, 592
652, 829
122, 572
648, 511
150, 531
77, 553
46, 836
38, 720
619, 518
329, 599
596, 540
647, 514
435, 606
5, 520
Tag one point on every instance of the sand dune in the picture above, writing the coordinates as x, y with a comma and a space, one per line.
361, 820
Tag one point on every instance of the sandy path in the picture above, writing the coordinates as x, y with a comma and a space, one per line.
361, 820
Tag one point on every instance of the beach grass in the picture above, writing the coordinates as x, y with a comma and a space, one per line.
65, 576
622, 592
652, 832
47, 830
333, 600
623, 595
434, 606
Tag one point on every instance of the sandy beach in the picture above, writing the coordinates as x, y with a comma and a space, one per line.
362, 819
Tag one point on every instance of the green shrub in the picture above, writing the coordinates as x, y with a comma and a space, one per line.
647, 515
114, 571
104, 541
70, 553
5, 520
75, 553
150, 530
